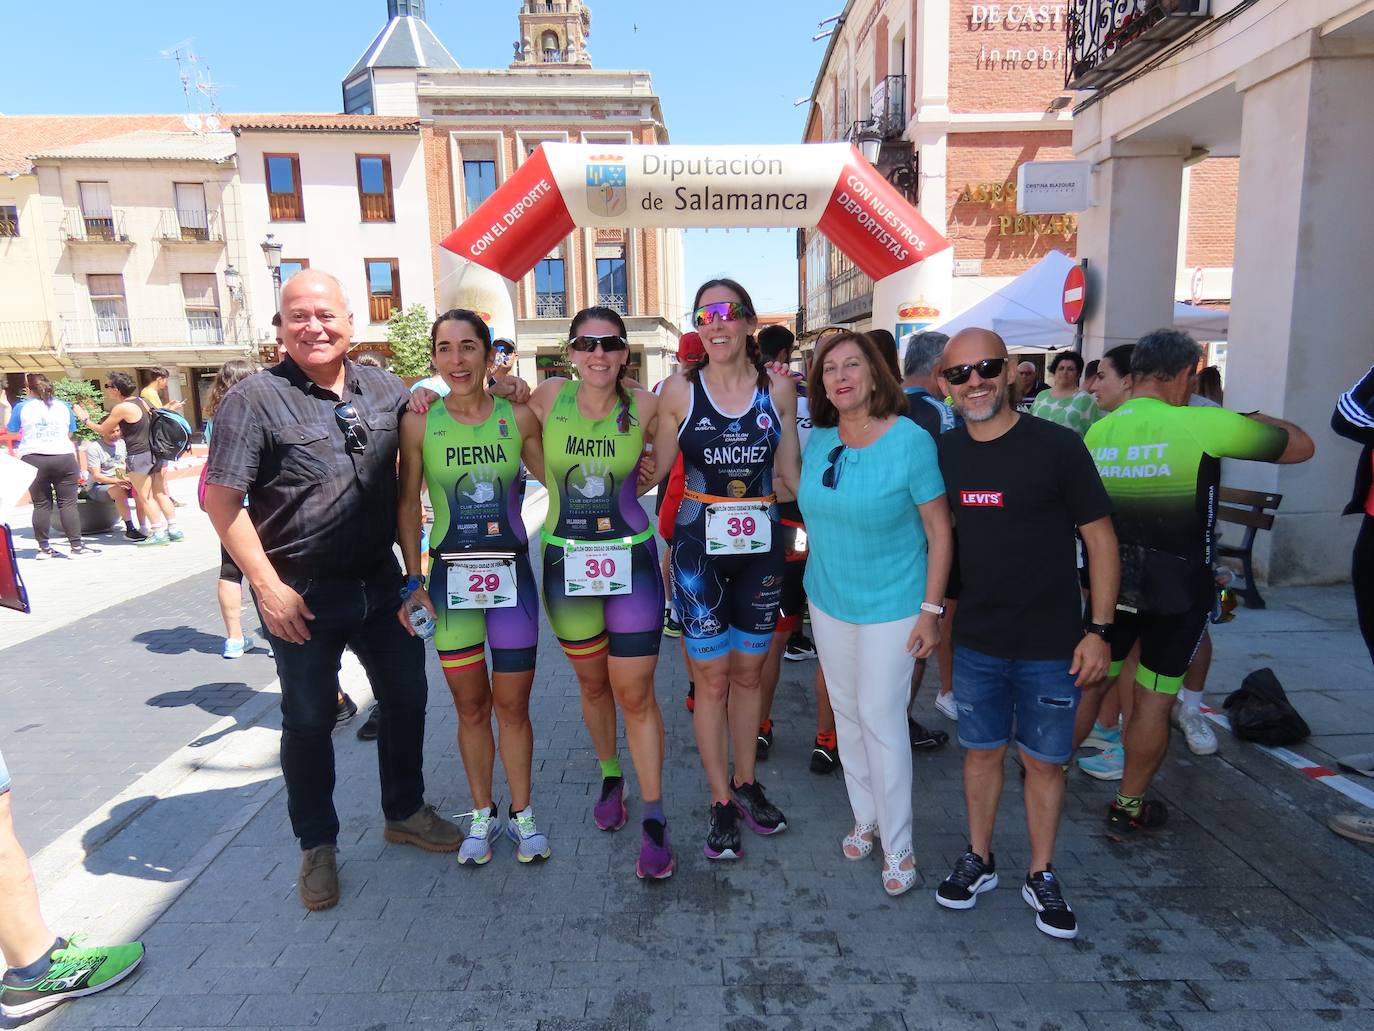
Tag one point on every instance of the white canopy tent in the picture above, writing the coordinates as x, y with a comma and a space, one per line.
1028, 312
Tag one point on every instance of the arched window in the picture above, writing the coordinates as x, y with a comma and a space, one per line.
548, 43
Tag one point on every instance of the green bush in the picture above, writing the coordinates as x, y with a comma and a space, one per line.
407, 332
84, 393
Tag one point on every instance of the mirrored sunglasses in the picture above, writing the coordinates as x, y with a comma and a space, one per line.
720, 311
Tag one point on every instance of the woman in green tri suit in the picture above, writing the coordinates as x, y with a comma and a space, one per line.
468, 448
603, 591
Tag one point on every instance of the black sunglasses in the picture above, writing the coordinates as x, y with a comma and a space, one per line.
609, 344
355, 437
988, 368
831, 477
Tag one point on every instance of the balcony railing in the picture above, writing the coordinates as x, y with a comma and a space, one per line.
851, 296
553, 56
26, 335
94, 227
545, 6
194, 226
190, 331
616, 302
889, 105
550, 306
1108, 37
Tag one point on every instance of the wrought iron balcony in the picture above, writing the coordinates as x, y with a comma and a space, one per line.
99, 227
888, 104
616, 302
1106, 38
192, 331
26, 335
194, 226
550, 306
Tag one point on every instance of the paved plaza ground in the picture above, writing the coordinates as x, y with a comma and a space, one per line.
147, 787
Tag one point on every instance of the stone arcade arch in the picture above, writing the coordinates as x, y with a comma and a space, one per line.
562, 186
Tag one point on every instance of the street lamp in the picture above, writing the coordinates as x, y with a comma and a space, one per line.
271, 250
233, 281
870, 141
895, 160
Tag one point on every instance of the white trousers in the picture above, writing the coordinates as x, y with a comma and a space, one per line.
868, 675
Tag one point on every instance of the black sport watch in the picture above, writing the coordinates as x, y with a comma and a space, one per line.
1102, 630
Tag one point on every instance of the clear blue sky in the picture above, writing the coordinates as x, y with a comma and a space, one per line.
727, 71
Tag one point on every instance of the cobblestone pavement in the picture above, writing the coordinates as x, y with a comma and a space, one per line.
1244, 913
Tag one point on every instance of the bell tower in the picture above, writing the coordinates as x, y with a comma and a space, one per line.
553, 32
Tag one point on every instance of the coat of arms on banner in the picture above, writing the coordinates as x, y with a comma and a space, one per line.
606, 185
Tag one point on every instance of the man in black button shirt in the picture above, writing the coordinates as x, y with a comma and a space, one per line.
312, 443
1022, 653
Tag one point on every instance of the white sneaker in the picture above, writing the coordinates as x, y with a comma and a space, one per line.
1196, 730
944, 703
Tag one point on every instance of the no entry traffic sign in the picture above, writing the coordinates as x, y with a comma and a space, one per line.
1074, 292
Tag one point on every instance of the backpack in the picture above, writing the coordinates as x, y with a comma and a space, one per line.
1261, 712
169, 435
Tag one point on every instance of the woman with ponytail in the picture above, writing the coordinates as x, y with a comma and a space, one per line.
735, 425
45, 425
603, 591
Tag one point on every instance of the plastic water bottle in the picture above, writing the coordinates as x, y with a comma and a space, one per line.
420, 619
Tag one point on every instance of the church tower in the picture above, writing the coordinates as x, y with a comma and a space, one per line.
553, 32
383, 80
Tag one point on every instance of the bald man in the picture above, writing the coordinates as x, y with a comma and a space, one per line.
1028, 384
1022, 652
312, 444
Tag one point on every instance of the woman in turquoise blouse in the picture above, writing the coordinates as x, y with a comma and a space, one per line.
879, 532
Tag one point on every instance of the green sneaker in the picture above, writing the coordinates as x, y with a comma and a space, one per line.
74, 972
153, 540
175, 535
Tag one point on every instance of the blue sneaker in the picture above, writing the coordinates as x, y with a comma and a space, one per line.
234, 647
1103, 737
484, 829
1109, 764
530, 844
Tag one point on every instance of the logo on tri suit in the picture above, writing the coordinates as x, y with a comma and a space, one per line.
736, 488
981, 498
493, 528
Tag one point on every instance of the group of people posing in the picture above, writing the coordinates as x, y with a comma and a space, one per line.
332, 456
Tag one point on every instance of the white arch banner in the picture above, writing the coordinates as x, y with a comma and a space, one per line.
562, 186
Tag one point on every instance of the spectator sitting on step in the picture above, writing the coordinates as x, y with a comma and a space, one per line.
103, 475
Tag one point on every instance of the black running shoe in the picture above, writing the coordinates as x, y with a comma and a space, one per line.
135, 535
371, 726
922, 737
722, 835
762, 816
969, 879
671, 627
799, 647
1121, 824
1053, 915
346, 710
764, 745
824, 760
691, 696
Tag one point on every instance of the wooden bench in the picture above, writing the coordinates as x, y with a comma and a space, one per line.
1253, 510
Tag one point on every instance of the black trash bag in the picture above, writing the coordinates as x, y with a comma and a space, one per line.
1261, 712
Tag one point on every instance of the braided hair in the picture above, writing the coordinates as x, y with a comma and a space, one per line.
622, 419
751, 346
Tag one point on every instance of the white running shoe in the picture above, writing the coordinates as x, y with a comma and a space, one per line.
1197, 730
945, 704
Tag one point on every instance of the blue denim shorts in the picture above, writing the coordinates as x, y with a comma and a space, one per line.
4, 775
1034, 700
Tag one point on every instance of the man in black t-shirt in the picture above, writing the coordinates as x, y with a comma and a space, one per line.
1022, 651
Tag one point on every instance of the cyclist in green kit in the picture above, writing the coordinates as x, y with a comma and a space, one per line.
603, 591
468, 448
1161, 464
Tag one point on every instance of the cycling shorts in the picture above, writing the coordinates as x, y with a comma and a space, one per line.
726, 602
461, 635
1168, 644
628, 626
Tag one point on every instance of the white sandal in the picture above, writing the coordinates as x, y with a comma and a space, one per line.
892, 871
856, 840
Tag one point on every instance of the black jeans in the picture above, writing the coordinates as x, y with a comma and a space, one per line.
1362, 576
58, 473
359, 614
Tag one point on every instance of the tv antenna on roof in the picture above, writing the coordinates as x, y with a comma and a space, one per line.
198, 87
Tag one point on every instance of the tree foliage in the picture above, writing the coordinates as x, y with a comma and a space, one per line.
408, 334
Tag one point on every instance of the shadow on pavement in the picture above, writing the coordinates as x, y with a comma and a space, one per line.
218, 699
179, 640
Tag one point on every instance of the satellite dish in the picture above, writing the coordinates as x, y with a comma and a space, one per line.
192, 121
212, 123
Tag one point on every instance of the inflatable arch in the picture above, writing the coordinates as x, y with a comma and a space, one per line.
563, 186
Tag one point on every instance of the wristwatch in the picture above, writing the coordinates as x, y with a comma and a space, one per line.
932, 608
1102, 630
413, 584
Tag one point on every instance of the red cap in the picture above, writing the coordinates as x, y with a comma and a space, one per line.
690, 348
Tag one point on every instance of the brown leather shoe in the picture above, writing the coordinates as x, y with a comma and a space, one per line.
426, 829
319, 878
